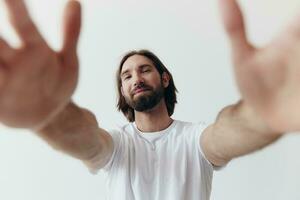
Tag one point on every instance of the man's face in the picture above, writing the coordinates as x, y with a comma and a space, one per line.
142, 85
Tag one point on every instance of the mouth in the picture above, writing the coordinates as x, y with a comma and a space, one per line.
140, 91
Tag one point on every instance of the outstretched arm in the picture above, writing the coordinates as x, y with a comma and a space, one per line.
37, 82
268, 79
238, 130
36, 85
75, 131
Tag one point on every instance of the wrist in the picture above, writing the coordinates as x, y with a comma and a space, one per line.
253, 119
51, 117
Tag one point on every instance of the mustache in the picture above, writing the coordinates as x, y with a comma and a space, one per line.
141, 86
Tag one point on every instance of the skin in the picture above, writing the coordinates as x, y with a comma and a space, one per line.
268, 77
35, 70
157, 118
266, 110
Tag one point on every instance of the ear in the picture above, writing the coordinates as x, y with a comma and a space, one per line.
165, 79
122, 91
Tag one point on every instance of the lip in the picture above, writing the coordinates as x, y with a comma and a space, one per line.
140, 91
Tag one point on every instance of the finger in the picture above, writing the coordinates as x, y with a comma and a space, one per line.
6, 52
72, 25
294, 26
235, 28
22, 22
2, 76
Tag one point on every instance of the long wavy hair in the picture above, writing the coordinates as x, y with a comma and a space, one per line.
169, 92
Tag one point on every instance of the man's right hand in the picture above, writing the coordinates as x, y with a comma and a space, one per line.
35, 81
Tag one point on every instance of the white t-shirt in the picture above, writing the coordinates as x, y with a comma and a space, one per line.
164, 165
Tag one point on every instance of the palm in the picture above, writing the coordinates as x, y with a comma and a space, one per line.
268, 78
35, 80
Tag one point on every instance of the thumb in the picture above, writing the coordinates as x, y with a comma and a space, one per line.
235, 28
2, 76
294, 26
71, 27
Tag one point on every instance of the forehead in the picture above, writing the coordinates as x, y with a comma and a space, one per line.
135, 61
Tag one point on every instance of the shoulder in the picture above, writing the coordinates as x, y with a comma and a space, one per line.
191, 126
120, 132
121, 129
189, 131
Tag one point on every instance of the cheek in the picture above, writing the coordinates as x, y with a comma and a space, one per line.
152, 79
125, 91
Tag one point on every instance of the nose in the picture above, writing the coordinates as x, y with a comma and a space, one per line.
138, 79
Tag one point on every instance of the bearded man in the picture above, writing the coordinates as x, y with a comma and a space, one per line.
153, 157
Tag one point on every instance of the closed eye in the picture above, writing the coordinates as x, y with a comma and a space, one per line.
147, 70
126, 77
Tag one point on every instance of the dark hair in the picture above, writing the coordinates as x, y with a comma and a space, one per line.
169, 92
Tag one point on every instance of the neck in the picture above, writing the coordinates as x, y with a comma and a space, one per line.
154, 120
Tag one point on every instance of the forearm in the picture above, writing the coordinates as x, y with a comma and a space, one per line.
237, 131
74, 131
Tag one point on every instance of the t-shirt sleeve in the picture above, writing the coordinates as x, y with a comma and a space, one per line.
201, 128
96, 166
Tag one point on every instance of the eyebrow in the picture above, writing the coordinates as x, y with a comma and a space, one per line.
123, 73
141, 66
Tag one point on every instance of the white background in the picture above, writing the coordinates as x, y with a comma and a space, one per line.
189, 38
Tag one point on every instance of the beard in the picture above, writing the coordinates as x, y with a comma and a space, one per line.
146, 101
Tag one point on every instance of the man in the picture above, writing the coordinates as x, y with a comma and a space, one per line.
155, 156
